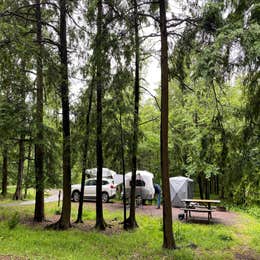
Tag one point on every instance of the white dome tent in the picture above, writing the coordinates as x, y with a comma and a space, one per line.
180, 188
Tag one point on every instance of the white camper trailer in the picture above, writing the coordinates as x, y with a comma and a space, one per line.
144, 185
180, 188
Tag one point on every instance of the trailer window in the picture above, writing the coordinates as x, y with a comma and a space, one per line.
139, 183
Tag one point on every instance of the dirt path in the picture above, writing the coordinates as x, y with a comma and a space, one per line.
53, 196
218, 217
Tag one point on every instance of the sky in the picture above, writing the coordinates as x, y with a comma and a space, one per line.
151, 69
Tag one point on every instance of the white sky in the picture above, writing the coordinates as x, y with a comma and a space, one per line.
151, 69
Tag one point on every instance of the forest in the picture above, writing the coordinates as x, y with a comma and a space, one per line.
171, 87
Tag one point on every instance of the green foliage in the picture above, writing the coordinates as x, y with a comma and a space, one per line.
211, 17
14, 220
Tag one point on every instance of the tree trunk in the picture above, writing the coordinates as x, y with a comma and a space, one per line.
64, 221
207, 192
100, 223
26, 179
84, 157
168, 239
18, 192
5, 172
200, 182
131, 221
39, 145
217, 185
123, 167
224, 154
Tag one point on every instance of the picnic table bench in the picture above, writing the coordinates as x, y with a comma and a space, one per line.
204, 208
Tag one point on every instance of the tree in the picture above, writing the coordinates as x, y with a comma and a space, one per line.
100, 223
168, 239
39, 146
85, 155
4, 171
21, 143
131, 221
64, 221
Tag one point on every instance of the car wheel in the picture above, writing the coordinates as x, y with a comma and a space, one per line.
75, 196
105, 197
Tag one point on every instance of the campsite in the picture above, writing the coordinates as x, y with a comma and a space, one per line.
234, 235
129, 129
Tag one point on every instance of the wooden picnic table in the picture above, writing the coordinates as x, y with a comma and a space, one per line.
206, 208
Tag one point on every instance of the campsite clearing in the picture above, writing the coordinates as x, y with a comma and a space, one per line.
236, 240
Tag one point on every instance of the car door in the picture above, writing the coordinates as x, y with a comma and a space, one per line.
90, 188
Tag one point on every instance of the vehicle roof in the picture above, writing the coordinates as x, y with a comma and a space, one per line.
103, 179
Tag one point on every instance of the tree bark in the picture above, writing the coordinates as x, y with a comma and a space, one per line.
27, 177
64, 221
168, 239
207, 192
131, 221
39, 145
223, 162
5, 171
100, 223
123, 167
18, 192
84, 157
217, 185
200, 182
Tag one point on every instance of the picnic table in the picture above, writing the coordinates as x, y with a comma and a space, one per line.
199, 205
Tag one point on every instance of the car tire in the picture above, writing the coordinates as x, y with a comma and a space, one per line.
75, 196
105, 197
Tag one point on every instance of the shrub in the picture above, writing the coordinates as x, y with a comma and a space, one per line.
14, 220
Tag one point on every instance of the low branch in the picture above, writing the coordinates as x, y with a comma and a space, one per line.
150, 120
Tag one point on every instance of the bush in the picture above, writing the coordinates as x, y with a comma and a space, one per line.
14, 220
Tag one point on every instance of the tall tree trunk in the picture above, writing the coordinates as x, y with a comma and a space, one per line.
123, 166
217, 185
100, 223
5, 171
207, 191
27, 177
39, 145
168, 239
224, 154
18, 192
131, 221
84, 156
200, 182
64, 221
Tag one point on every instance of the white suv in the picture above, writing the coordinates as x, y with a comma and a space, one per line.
108, 190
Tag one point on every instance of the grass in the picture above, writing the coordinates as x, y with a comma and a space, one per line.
195, 241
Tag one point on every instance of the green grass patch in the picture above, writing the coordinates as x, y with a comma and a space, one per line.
195, 241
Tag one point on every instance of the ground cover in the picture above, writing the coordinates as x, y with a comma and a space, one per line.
20, 237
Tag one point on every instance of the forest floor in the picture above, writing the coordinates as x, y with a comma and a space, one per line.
218, 217
21, 238
231, 235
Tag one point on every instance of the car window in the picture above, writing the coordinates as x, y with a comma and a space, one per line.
91, 183
105, 182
